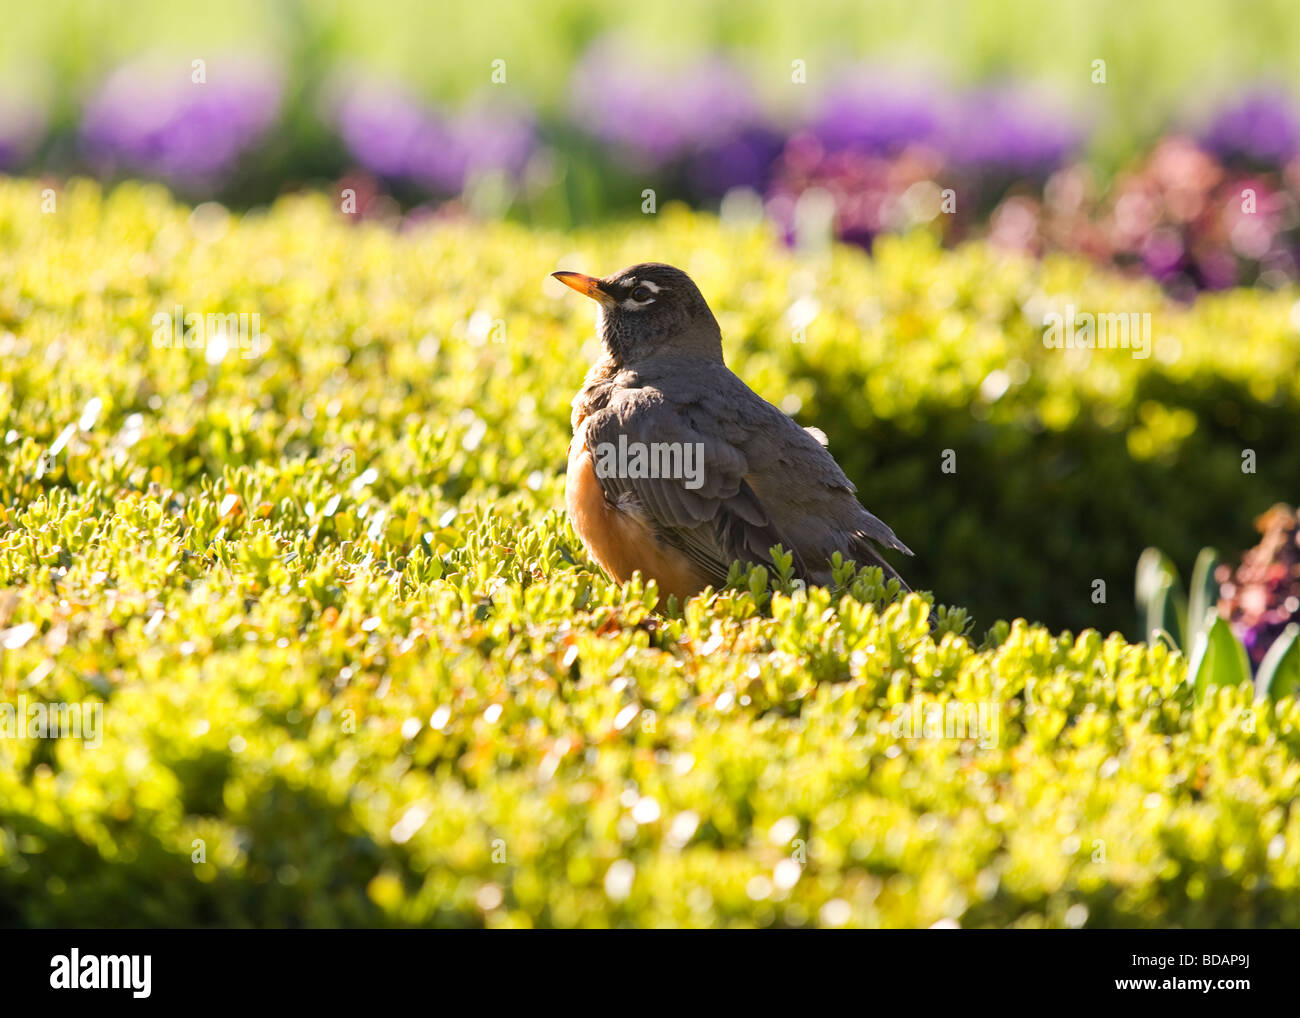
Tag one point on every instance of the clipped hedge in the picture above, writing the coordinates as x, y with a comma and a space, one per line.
1067, 462
356, 668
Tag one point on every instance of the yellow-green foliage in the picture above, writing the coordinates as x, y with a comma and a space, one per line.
355, 663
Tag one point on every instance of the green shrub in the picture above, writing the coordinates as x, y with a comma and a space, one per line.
355, 667
1064, 478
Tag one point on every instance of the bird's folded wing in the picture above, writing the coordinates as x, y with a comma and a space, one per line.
709, 512
784, 450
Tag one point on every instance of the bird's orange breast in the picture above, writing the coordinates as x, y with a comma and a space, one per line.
620, 541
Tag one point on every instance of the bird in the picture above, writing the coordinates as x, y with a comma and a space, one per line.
677, 468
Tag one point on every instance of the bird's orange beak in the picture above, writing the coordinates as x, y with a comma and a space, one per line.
588, 285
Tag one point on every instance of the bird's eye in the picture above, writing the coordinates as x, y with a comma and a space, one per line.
642, 293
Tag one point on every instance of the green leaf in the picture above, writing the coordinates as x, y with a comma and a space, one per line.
1151, 566
1160, 596
1202, 595
1279, 672
1219, 660
1165, 636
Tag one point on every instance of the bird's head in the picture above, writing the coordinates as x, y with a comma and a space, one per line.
648, 310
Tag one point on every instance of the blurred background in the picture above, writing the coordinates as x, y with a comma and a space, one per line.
1102, 127
243, 547
1159, 141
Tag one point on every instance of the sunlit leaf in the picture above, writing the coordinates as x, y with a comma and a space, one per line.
1219, 659
1279, 672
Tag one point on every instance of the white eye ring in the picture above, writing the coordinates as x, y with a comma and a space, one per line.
635, 301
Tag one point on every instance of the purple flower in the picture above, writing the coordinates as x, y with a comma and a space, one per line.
993, 130
496, 136
746, 159
1163, 255
867, 112
1002, 131
653, 116
395, 136
1260, 127
151, 117
869, 194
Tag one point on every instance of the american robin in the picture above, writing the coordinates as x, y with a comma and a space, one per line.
677, 468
